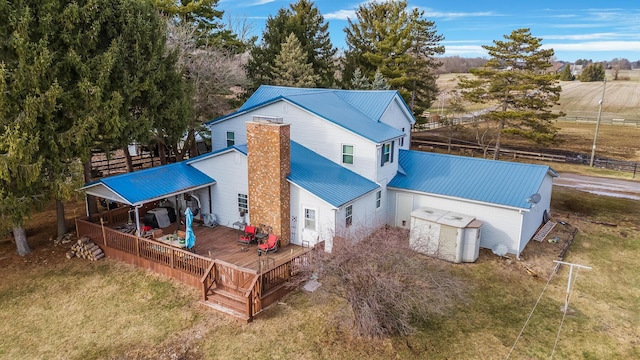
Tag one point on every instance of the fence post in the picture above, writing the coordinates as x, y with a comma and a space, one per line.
635, 168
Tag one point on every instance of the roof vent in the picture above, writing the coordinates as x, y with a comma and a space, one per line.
267, 119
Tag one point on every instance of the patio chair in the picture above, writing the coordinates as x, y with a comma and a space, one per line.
271, 245
248, 236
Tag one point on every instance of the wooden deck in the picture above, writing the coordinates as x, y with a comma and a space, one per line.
221, 243
232, 277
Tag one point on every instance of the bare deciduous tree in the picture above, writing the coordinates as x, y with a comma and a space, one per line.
214, 74
388, 286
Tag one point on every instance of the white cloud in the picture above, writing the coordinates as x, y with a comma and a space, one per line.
465, 50
340, 15
259, 2
593, 36
428, 12
596, 46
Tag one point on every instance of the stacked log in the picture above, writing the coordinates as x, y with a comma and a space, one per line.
84, 248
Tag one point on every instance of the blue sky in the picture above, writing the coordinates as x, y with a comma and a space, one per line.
597, 30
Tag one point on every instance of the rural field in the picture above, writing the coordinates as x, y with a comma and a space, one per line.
580, 99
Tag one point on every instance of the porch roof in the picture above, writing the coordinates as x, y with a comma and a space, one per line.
151, 184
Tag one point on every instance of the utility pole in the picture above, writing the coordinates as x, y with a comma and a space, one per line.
593, 149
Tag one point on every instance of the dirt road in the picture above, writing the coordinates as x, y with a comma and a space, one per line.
600, 186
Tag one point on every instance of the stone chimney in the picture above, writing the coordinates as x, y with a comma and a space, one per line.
269, 161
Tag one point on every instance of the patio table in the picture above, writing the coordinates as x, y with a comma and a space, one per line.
172, 240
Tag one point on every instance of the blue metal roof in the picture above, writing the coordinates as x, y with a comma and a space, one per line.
141, 186
490, 181
325, 179
355, 110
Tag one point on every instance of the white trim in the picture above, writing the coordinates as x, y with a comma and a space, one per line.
304, 217
458, 199
124, 201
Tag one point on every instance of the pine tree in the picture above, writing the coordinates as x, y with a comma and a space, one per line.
27, 101
565, 74
359, 81
515, 78
379, 82
401, 44
305, 21
592, 72
290, 68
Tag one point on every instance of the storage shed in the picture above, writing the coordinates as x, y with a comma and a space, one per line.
445, 235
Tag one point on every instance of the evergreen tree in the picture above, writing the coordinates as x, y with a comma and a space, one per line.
28, 98
205, 18
305, 21
515, 78
592, 72
565, 74
359, 81
401, 44
106, 61
290, 69
379, 82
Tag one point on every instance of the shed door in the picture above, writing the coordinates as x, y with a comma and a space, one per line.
404, 206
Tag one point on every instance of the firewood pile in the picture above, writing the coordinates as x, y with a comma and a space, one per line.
84, 248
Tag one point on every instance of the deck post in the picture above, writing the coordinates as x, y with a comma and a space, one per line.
104, 232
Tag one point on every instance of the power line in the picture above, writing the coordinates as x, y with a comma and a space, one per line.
533, 310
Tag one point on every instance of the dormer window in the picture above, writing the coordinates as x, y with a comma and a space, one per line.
386, 155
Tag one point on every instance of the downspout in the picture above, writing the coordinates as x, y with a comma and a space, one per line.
519, 234
210, 201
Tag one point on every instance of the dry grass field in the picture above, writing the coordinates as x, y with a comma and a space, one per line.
54, 308
580, 99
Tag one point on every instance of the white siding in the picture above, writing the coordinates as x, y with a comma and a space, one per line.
533, 219
500, 225
390, 169
325, 218
230, 172
317, 134
365, 217
396, 117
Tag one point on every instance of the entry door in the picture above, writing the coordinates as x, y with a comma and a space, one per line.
404, 207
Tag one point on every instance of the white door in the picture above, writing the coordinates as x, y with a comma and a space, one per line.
404, 207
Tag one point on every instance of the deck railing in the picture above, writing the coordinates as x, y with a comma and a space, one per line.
114, 216
152, 250
241, 282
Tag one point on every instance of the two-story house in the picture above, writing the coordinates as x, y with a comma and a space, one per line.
315, 163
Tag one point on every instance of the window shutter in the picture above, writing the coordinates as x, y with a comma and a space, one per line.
391, 153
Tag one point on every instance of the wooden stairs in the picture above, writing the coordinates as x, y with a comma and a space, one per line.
227, 303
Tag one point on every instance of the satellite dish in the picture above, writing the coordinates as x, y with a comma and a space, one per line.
500, 250
534, 199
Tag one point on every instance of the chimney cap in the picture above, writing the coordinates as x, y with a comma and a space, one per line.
267, 119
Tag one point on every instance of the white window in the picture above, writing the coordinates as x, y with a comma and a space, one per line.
348, 219
347, 154
378, 199
386, 154
243, 203
231, 138
310, 219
